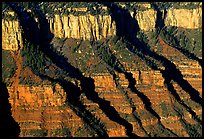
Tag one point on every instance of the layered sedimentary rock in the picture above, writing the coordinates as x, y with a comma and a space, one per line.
101, 26
43, 107
43, 111
190, 18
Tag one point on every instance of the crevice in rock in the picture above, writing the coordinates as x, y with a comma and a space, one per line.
105, 106
170, 87
30, 27
139, 48
128, 99
115, 65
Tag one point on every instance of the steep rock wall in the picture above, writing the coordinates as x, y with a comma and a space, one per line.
191, 18
101, 26
82, 27
11, 35
44, 107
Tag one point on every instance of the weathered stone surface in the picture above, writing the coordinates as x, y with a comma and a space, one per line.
36, 104
11, 35
84, 27
186, 18
101, 26
43, 107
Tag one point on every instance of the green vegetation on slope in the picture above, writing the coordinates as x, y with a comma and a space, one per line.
34, 57
94, 8
189, 39
8, 66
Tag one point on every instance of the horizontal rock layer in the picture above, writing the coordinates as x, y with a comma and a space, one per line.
45, 105
101, 26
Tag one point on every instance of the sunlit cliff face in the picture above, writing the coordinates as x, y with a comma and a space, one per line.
98, 27
117, 88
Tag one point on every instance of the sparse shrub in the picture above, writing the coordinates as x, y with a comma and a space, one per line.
38, 133
8, 66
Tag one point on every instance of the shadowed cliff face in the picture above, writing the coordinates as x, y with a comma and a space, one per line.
87, 84
73, 98
160, 18
8, 126
73, 93
126, 26
105, 106
139, 48
115, 65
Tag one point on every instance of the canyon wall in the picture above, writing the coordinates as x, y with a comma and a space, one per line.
43, 107
11, 35
191, 18
101, 26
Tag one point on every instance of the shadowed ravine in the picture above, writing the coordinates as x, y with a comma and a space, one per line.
73, 99
43, 41
115, 65
160, 26
39, 35
140, 49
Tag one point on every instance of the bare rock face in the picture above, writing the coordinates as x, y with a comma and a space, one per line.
146, 19
43, 110
34, 97
11, 35
43, 107
84, 27
190, 18
88, 27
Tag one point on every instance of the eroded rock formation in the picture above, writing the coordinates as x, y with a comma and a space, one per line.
42, 110
98, 27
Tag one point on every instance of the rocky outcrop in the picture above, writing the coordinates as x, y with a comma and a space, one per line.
186, 18
101, 26
82, 26
42, 110
34, 97
11, 35
146, 19
43, 107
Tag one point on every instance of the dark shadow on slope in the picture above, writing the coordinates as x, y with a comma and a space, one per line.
88, 81
73, 93
170, 87
114, 64
105, 106
42, 36
160, 26
111, 71
159, 17
29, 24
139, 48
8, 126
117, 66
174, 74
61, 62
144, 98
191, 130
181, 49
